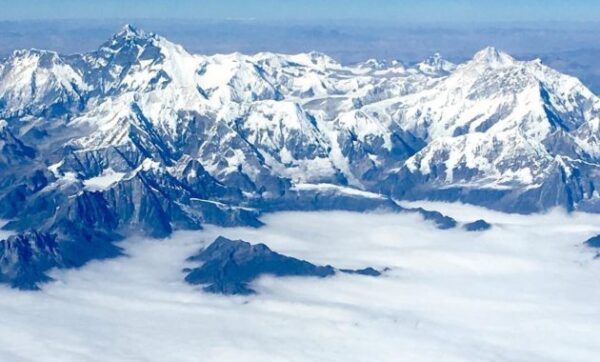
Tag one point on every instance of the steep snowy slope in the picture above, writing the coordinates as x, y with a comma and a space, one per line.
39, 83
501, 124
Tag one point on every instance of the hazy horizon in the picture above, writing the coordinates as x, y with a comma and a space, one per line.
570, 47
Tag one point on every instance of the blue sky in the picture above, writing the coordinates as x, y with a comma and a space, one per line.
309, 10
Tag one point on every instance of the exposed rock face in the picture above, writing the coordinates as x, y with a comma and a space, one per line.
25, 258
593, 242
440, 220
477, 225
229, 266
366, 271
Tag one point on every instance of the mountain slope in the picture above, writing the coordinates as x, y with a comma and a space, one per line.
501, 125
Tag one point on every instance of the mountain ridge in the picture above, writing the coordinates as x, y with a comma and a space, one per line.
141, 135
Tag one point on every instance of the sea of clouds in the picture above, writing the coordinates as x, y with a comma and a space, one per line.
526, 290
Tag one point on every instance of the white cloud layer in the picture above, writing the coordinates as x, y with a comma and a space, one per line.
524, 291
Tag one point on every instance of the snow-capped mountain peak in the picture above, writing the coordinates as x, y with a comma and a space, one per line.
128, 31
127, 40
39, 82
492, 57
436, 65
134, 60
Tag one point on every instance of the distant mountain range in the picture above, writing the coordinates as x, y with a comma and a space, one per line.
141, 135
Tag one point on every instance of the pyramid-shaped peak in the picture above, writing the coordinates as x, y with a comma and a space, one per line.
129, 36
129, 30
492, 56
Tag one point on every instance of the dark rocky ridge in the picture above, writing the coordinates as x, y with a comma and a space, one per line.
477, 225
229, 266
593, 242
25, 258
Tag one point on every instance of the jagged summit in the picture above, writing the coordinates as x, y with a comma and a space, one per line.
134, 60
436, 65
129, 31
21, 53
39, 82
492, 57
130, 36
434, 59
127, 37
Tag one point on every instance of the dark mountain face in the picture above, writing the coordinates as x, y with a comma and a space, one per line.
229, 266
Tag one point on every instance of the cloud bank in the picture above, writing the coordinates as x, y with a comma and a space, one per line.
526, 290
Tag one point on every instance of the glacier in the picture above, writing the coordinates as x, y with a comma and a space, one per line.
141, 136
